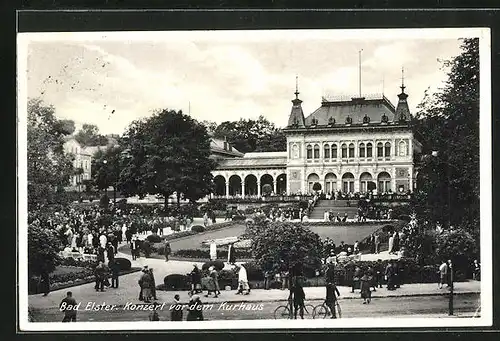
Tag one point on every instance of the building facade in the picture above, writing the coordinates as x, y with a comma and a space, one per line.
352, 145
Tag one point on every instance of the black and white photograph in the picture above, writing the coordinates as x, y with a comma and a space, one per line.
257, 179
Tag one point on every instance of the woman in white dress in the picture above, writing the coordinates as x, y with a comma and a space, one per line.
391, 243
243, 281
213, 251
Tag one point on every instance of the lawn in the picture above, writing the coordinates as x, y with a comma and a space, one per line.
348, 234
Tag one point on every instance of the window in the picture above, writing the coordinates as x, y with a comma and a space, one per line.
316, 151
295, 151
327, 152
344, 151
369, 150
380, 149
334, 151
309, 152
361, 149
402, 148
351, 150
387, 149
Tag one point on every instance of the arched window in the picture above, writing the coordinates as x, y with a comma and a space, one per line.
361, 149
380, 149
316, 151
327, 152
309, 152
334, 151
344, 151
402, 148
351, 150
369, 152
387, 149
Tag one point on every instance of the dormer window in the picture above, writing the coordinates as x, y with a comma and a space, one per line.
348, 120
314, 121
366, 119
295, 121
402, 118
331, 121
384, 118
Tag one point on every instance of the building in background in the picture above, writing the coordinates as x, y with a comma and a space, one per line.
351, 145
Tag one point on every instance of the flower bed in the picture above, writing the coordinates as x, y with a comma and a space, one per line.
205, 254
190, 232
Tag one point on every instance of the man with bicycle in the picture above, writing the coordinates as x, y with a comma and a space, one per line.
332, 292
298, 297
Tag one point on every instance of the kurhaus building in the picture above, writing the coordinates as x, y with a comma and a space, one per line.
349, 144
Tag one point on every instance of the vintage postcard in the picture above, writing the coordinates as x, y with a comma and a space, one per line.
254, 179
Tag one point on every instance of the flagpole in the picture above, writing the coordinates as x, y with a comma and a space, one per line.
360, 72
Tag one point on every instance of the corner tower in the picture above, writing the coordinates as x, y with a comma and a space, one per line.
296, 118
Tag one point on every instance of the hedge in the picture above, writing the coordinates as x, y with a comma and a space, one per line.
198, 228
176, 282
123, 264
190, 232
153, 238
205, 254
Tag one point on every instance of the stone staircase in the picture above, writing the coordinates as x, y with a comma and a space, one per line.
336, 206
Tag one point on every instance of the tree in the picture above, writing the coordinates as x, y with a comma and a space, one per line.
448, 123
286, 246
49, 167
457, 245
106, 166
43, 250
317, 187
165, 154
252, 135
89, 136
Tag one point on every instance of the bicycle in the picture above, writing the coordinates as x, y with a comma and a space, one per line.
283, 312
323, 310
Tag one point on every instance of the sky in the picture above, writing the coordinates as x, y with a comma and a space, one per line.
110, 81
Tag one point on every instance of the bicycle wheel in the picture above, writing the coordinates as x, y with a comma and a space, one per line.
320, 312
338, 310
282, 312
308, 311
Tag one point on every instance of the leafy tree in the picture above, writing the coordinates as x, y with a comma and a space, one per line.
458, 245
317, 187
252, 135
283, 245
165, 154
210, 125
89, 136
43, 250
48, 166
66, 127
106, 166
448, 123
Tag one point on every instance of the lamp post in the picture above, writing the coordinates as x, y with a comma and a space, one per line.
448, 201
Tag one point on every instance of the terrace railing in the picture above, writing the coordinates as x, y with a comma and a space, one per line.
257, 199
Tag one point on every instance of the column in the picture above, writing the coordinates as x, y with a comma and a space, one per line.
393, 180
276, 186
243, 187
410, 148
258, 188
227, 188
411, 179
356, 183
288, 183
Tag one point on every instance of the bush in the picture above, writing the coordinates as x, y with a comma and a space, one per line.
317, 186
176, 282
123, 264
192, 253
219, 265
197, 228
239, 217
153, 238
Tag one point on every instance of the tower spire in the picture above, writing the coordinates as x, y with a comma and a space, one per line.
403, 80
297, 87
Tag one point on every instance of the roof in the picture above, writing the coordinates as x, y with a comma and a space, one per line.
355, 108
261, 155
256, 162
218, 146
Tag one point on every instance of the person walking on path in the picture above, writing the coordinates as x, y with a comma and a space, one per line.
243, 281
443, 274
213, 251
195, 280
395, 247
332, 292
176, 309
153, 284
231, 257
115, 271
45, 282
167, 250
145, 284
389, 276
366, 293
110, 252
69, 306
377, 243
299, 297
476, 270
100, 276
134, 248
391, 244
215, 276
